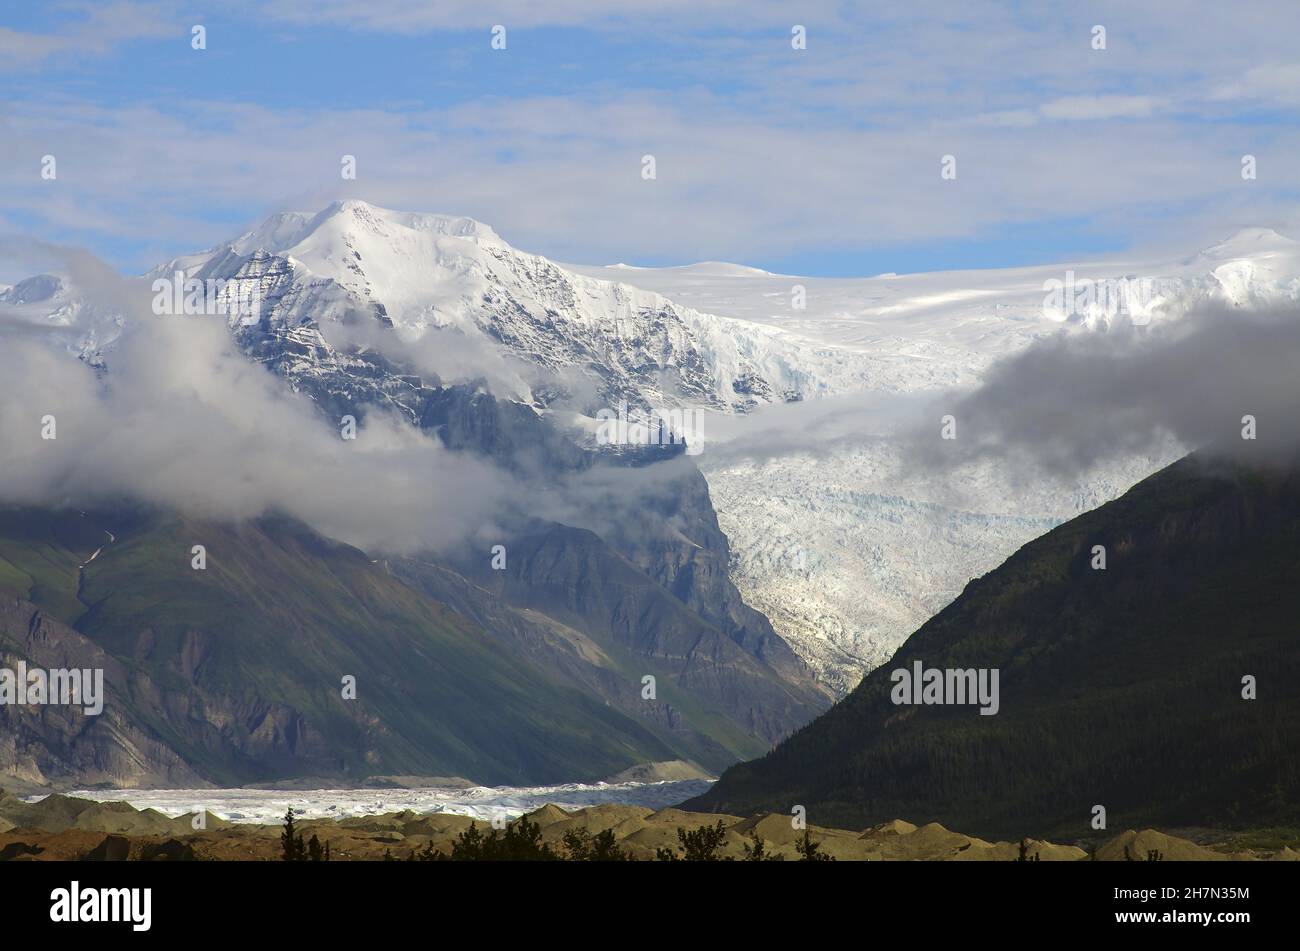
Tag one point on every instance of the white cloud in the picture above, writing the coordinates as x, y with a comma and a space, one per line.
762, 151
101, 29
1276, 83
185, 421
727, 188
1101, 107
417, 16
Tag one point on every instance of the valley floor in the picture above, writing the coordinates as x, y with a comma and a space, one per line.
68, 828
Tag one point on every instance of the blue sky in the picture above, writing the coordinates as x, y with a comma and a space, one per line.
820, 161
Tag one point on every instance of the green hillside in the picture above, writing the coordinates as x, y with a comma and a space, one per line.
238, 667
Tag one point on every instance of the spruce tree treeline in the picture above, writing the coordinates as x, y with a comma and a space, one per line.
292, 847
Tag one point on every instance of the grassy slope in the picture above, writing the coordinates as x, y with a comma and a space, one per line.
280, 615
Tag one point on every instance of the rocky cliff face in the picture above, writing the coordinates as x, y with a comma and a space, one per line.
42, 743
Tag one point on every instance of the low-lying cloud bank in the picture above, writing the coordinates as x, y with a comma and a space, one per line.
1222, 380
1069, 404
183, 419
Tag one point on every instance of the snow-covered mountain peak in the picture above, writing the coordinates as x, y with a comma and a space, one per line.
1254, 266
80, 326
723, 269
1251, 243
353, 222
276, 233
42, 287
359, 218
426, 273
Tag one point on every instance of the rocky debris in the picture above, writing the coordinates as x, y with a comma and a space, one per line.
15, 850
173, 850
1144, 845
58, 813
114, 848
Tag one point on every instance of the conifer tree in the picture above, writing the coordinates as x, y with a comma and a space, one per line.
291, 844
810, 851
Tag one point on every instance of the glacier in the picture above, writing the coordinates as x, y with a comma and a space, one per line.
268, 806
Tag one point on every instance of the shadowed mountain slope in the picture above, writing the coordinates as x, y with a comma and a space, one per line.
1120, 687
